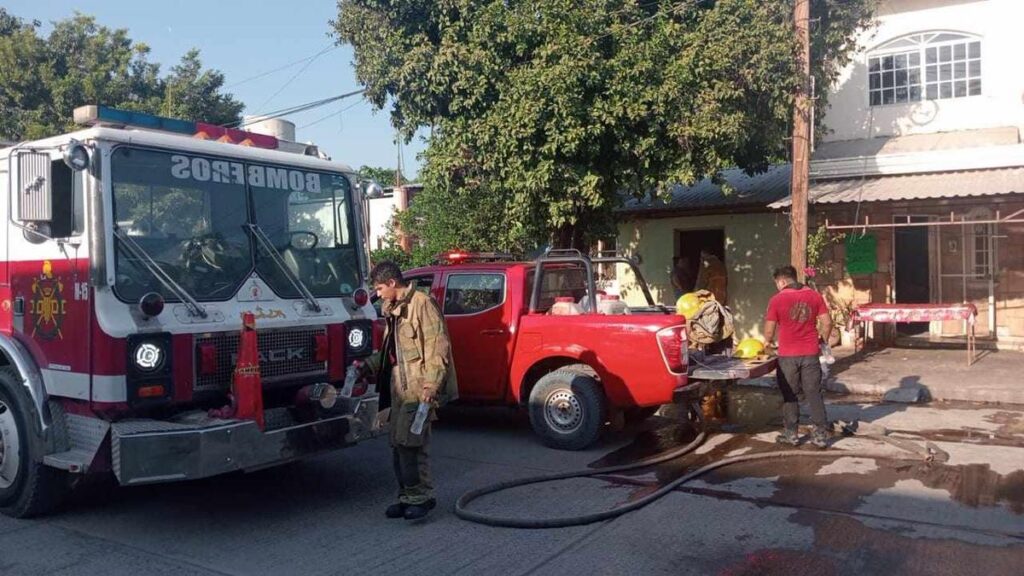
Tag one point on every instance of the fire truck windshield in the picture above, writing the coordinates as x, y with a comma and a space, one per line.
189, 213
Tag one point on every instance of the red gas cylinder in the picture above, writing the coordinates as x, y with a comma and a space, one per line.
245, 384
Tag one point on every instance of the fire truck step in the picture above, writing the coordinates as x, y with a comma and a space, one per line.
76, 460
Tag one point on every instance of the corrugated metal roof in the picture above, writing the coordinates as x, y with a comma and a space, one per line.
747, 191
930, 186
911, 143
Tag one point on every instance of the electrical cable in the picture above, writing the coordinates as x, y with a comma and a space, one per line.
294, 109
335, 113
536, 523
293, 77
328, 48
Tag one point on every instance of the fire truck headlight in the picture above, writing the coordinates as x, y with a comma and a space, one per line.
148, 357
76, 156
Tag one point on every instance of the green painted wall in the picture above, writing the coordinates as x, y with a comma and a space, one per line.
754, 245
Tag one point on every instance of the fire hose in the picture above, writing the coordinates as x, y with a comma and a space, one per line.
928, 453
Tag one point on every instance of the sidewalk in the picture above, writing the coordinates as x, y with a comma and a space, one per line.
995, 377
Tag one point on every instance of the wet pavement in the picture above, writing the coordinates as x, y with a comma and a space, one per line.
840, 514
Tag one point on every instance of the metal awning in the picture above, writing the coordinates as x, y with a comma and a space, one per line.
930, 186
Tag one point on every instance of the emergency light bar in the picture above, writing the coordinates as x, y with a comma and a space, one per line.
105, 116
458, 256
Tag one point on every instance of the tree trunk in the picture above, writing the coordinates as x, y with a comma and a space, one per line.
568, 236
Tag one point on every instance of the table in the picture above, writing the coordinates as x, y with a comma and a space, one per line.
895, 313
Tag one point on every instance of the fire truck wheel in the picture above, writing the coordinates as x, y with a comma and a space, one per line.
567, 409
27, 487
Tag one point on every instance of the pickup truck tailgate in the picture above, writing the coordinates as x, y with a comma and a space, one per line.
721, 367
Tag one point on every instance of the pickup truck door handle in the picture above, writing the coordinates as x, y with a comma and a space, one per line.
493, 332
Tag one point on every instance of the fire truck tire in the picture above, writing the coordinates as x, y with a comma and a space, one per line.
567, 409
28, 488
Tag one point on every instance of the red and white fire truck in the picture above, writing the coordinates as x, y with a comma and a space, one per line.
130, 251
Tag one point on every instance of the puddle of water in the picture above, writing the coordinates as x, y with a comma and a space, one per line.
896, 549
782, 562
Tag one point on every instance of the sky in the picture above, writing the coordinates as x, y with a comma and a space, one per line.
246, 38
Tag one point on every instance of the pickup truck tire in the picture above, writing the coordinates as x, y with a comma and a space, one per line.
568, 409
27, 487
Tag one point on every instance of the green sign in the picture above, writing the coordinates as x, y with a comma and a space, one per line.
861, 254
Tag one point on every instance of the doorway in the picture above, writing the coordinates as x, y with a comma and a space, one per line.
689, 244
912, 268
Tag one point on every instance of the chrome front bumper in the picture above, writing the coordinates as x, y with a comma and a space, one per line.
150, 451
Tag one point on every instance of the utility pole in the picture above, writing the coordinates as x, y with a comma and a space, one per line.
801, 141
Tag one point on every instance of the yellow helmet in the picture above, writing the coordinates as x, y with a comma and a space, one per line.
688, 305
749, 348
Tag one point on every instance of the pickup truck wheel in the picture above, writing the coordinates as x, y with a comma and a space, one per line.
27, 487
567, 409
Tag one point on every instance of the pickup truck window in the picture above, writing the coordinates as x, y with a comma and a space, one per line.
423, 283
557, 282
473, 293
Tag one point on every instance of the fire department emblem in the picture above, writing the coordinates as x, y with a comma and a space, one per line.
356, 338
48, 304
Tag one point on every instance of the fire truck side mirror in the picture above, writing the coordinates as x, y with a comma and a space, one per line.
371, 189
35, 187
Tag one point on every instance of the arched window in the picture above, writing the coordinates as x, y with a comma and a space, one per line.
929, 66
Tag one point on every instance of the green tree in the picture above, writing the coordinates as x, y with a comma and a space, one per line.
382, 176
542, 113
43, 79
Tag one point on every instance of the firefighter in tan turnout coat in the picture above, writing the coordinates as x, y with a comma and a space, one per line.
415, 365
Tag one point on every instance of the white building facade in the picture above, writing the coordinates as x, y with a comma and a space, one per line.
922, 168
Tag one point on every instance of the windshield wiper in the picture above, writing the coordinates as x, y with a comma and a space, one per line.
193, 306
264, 240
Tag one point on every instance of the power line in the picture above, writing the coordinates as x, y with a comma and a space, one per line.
295, 109
280, 68
294, 76
333, 114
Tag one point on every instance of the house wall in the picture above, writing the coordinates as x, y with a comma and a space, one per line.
382, 210
1000, 104
754, 245
946, 258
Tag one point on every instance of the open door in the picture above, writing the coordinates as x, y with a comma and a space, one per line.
912, 269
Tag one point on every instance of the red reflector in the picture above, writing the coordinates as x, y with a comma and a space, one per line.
151, 391
361, 297
322, 348
207, 359
219, 133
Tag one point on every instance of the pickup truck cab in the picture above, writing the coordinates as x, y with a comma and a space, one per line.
541, 335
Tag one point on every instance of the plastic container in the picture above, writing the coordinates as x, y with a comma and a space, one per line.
565, 306
610, 304
351, 375
420, 419
826, 354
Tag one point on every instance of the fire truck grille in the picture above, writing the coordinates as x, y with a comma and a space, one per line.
284, 355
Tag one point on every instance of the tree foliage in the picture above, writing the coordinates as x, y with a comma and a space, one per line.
43, 79
382, 176
543, 112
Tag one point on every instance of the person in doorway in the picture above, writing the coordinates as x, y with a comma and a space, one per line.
415, 366
713, 276
682, 278
799, 316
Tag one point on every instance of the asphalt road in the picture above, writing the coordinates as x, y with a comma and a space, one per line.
325, 515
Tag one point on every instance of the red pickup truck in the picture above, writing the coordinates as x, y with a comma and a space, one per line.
533, 334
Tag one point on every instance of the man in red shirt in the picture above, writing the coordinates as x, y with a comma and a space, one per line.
797, 313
